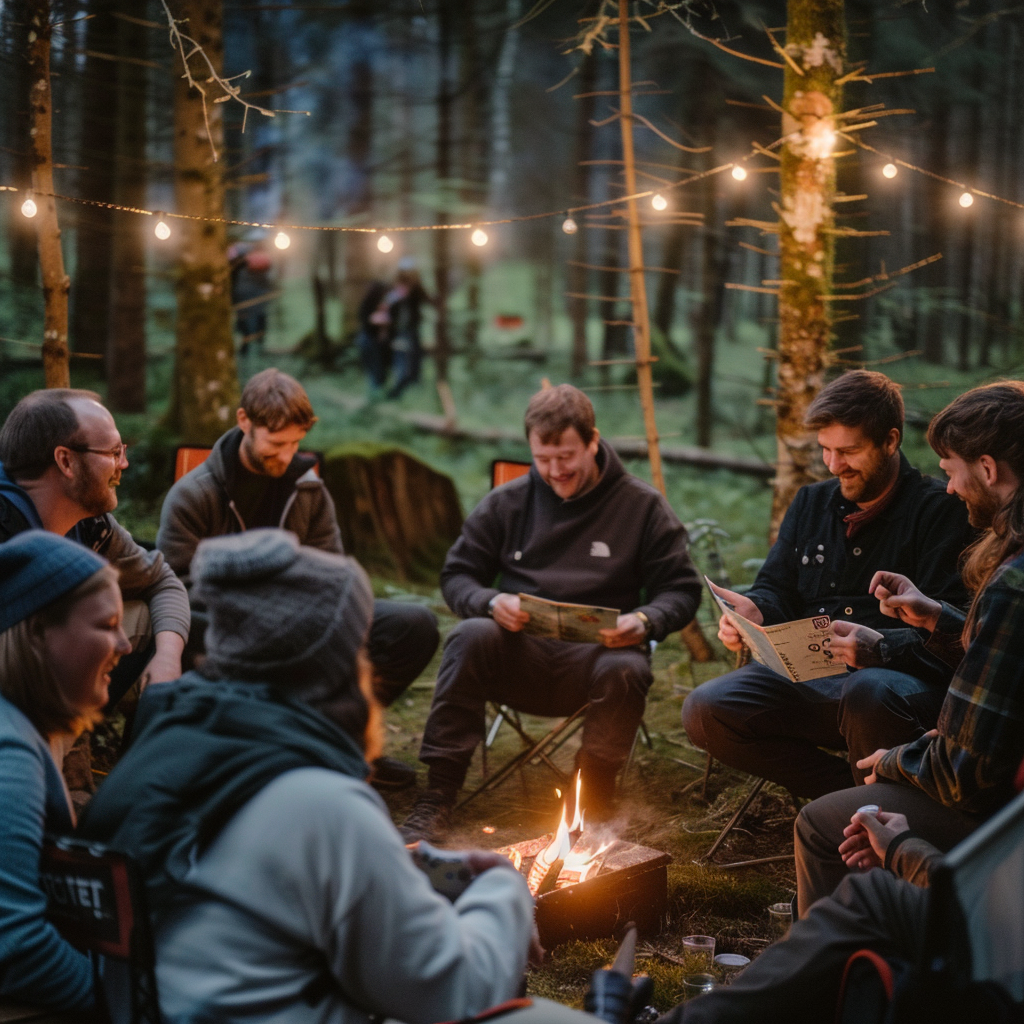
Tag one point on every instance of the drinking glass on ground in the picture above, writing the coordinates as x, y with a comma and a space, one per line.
781, 915
729, 965
699, 954
697, 985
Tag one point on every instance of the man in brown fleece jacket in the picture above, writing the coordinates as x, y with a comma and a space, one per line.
577, 528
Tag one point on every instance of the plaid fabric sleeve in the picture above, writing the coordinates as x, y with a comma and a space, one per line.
971, 763
946, 640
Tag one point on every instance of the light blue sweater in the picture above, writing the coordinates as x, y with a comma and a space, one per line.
36, 964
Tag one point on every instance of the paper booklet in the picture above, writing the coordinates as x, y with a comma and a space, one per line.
799, 650
578, 623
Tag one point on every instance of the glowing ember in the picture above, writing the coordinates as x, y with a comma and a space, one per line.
489, 829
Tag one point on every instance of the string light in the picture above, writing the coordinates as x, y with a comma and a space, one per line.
479, 237
385, 244
162, 231
29, 208
281, 240
739, 173
966, 199
659, 202
890, 170
569, 226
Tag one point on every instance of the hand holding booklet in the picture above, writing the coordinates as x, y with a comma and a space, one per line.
579, 623
799, 650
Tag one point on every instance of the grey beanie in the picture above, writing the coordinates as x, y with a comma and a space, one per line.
279, 612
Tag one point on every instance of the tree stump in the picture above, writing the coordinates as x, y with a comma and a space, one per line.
397, 515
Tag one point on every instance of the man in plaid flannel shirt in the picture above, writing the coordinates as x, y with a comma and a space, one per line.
949, 780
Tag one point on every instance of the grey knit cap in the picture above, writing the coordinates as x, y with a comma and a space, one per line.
279, 612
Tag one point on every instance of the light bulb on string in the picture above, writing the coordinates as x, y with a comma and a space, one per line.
479, 237
890, 171
966, 199
281, 240
739, 173
384, 244
569, 226
29, 208
162, 231
659, 202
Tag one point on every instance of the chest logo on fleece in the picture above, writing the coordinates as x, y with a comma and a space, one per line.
598, 549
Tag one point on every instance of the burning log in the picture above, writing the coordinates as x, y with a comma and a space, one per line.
588, 884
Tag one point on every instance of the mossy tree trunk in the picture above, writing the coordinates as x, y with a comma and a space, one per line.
51, 259
816, 44
206, 381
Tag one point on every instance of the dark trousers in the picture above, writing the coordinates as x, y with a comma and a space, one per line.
403, 638
483, 662
819, 831
797, 980
757, 721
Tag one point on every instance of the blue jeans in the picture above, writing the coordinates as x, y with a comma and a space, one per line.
406, 355
761, 723
374, 354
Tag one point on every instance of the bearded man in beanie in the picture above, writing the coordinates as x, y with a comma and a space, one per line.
257, 477
577, 528
279, 890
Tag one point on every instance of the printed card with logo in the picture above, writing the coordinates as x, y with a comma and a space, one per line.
799, 650
578, 623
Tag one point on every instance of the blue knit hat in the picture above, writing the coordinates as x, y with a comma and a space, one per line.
37, 567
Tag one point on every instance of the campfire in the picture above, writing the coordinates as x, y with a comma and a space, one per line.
588, 882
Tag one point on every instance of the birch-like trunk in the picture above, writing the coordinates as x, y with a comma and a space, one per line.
816, 43
51, 259
206, 382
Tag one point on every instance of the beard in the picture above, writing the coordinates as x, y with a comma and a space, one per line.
982, 506
870, 482
258, 463
95, 492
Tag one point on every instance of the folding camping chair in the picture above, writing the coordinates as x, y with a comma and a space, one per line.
96, 900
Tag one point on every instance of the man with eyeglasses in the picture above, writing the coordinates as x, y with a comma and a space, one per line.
61, 459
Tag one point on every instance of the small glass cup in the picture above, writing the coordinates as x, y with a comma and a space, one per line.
697, 985
699, 954
729, 966
781, 915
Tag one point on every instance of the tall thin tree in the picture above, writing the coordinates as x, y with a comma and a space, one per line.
816, 48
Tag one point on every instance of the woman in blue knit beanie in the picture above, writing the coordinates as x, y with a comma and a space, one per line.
60, 636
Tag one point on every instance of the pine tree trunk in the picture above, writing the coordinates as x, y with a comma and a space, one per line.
51, 259
126, 347
21, 236
578, 276
206, 382
443, 169
358, 246
501, 106
816, 40
94, 237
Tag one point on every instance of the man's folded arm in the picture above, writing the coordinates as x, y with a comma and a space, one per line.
472, 565
775, 588
671, 581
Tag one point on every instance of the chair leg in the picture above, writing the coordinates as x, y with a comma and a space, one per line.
540, 749
709, 857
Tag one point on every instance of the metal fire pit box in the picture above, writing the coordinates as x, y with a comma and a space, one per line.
632, 885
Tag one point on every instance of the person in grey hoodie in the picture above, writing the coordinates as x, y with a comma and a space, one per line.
577, 528
256, 477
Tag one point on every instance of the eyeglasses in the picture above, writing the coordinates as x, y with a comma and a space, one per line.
117, 453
